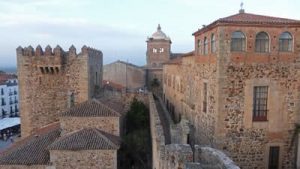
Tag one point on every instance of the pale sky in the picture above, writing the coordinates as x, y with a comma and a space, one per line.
119, 28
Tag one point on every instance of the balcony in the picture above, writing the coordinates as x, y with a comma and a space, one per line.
15, 92
3, 103
10, 93
16, 101
11, 102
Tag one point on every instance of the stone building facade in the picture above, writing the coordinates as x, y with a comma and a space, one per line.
240, 89
51, 81
130, 76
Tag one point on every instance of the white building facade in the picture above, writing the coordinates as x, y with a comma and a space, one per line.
9, 98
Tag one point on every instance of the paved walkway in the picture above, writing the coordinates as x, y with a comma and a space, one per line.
164, 121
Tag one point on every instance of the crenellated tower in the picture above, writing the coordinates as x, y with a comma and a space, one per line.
53, 80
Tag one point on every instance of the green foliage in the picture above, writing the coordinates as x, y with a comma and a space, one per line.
154, 83
136, 146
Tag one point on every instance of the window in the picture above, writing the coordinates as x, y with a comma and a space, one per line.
199, 46
154, 50
205, 97
285, 42
274, 157
161, 50
238, 41
213, 43
2, 91
72, 100
262, 42
260, 103
205, 49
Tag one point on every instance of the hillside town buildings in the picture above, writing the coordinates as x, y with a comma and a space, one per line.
232, 101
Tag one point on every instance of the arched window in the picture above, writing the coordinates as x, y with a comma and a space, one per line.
199, 46
72, 100
285, 42
213, 43
205, 49
262, 42
238, 41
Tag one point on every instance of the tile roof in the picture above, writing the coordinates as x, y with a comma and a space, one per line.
91, 108
86, 139
248, 18
114, 104
112, 86
32, 150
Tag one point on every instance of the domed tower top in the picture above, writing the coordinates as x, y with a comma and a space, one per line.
159, 34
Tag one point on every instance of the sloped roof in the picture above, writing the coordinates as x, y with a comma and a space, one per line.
32, 150
115, 104
86, 139
91, 108
248, 18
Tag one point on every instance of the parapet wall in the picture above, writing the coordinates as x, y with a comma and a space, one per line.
57, 51
157, 135
178, 154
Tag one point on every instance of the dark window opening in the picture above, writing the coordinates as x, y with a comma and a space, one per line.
213, 43
285, 42
47, 70
57, 69
238, 41
260, 101
52, 70
274, 157
262, 42
42, 70
205, 49
205, 97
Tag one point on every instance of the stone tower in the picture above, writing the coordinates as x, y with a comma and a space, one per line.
51, 81
158, 52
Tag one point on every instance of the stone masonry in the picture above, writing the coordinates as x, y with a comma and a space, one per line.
53, 80
215, 90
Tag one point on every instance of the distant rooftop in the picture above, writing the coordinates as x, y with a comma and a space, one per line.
91, 108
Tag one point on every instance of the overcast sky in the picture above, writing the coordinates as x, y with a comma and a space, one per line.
117, 27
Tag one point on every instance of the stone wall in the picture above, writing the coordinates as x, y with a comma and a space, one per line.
125, 74
177, 155
157, 135
184, 91
248, 141
108, 124
209, 157
228, 124
48, 79
88, 159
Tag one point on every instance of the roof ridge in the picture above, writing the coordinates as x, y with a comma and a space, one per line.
99, 102
103, 134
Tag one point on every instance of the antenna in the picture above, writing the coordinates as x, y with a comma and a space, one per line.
242, 9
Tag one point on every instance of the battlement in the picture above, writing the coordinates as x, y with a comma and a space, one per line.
57, 51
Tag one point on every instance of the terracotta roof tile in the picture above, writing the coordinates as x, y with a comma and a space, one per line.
248, 18
32, 150
87, 139
114, 104
112, 86
91, 108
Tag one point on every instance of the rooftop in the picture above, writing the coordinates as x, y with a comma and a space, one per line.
32, 150
159, 34
86, 139
248, 18
91, 108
